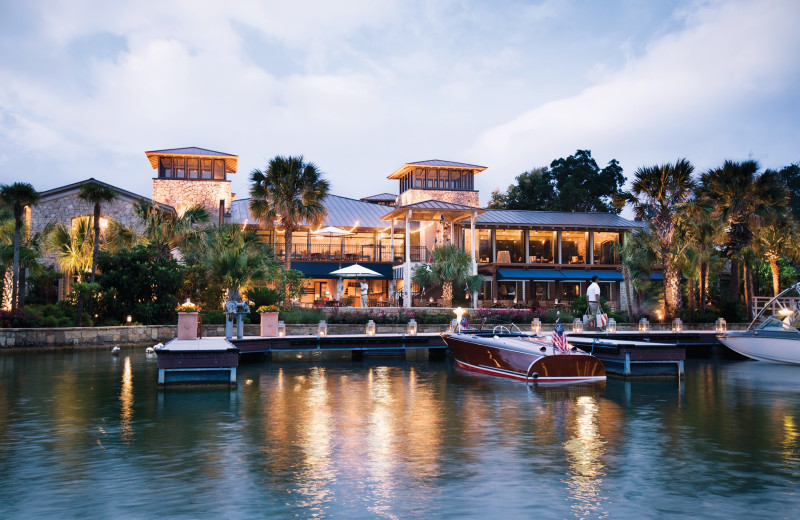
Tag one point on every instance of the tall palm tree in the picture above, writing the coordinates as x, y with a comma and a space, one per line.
290, 192
17, 196
96, 194
73, 250
742, 199
165, 231
657, 195
451, 266
638, 256
776, 239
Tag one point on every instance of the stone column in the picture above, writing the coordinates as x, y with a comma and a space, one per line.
407, 264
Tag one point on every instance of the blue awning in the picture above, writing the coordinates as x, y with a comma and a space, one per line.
658, 275
539, 275
603, 276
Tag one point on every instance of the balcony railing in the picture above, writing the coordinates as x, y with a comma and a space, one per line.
355, 253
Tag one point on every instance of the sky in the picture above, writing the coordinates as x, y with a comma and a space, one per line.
361, 87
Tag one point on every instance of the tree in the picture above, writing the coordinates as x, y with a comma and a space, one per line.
451, 265
790, 175
165, 231
638, 256
96, 194
776, 239
140, 283
17, 196
572, 184
657, 195
742, 199
290, 192
73, 249
236, 258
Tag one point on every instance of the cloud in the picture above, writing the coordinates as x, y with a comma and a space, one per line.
674, 100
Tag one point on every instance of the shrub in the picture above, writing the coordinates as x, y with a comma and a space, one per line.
49, 321
66, 321
214, 317
301, 315
20, 318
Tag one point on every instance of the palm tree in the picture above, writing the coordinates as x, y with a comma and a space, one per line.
638, 256
657, 195
290, 192
96, 194
451, 265
165, 231
17, 196
73, 250
742, 199
235, 257
774, 240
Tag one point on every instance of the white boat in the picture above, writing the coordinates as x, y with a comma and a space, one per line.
773, 335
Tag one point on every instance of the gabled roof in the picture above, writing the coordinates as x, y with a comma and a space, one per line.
123, 194
436, 163
342, 212
231, 161
382, 197
431, 209
555, 219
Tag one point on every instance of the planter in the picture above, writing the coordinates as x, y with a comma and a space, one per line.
187, 325
269, 323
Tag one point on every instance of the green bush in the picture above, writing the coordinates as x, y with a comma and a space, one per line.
214, 317
301, 315
66, 321
49, 321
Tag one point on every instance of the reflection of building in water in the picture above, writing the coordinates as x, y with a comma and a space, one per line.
126, 398
584, 449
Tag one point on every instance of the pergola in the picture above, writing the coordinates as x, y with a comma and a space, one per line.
425, 211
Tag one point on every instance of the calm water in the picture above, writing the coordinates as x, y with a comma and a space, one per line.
88, 435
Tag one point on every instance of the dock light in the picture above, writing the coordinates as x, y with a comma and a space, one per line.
322, 329
128, 319
459, 314
281, 329
720, 325
644, 325
495, 300
786, 311
555, 301
611, 327
577, 325
515, 301
412, 327
370, 328
430, 300
677, 325
536, 326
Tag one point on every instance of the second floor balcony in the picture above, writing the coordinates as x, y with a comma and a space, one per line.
351, 253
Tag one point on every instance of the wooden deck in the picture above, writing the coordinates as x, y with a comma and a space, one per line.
379, 343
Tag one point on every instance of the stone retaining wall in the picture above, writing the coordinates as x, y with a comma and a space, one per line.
152, 334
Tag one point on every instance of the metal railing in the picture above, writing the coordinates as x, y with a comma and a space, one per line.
351, 253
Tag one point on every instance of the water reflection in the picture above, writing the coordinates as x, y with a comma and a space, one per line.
126, 398
584, 451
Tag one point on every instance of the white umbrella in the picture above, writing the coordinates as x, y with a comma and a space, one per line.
330, 232
355, 271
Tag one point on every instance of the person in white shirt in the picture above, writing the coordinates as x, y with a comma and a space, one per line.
593, 298
364, 292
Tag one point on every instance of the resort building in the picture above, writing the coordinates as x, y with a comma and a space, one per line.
527, 258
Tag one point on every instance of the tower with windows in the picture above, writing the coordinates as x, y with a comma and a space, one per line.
193, 176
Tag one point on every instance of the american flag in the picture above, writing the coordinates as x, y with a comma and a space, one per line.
559, 339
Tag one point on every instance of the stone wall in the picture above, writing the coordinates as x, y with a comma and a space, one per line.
468, 198
183, 193
64, 208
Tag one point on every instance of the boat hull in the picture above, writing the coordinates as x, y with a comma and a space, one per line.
773, 347
522, 360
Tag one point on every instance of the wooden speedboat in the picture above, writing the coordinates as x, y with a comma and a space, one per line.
774, 335
523, 357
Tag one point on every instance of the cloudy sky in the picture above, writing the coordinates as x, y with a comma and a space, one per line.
360, 87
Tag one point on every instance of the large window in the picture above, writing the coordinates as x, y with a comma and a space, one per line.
542, 247
205, 169
484, 239
219, 170
605, 247
192, 166
510, 247
166, 168
180, 168
573, 247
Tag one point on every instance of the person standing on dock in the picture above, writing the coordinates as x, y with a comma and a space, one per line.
593, 299
364, 292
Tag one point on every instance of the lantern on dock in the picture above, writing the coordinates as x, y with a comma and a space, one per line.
720, 326
322, 329
611, 327
536, 326
370, 328
677, 325
412, 327
644, 325
577, 325
281, 329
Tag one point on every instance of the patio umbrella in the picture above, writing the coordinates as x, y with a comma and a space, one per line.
355, 271
330, 232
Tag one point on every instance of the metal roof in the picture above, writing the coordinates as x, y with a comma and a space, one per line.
555, 219
381, 197
435, 163
342, 212
430, 210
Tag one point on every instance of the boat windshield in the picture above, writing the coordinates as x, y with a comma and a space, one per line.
781, 313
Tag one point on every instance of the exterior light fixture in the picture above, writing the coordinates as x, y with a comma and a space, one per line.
720, 325
677, 325
536, 326
577, 325
281, 328
412, 327
459, 314
128, 319
370, 328
611, 326
644, 325
322, 329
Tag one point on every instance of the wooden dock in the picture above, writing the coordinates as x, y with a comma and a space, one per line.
200, 361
